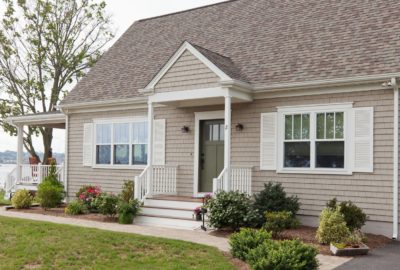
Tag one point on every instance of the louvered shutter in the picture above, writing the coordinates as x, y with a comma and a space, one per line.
363, 139
87, 149
159, 142
268, 141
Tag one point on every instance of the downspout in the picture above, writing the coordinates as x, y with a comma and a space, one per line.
395, 159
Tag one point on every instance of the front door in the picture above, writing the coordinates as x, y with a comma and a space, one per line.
211, 159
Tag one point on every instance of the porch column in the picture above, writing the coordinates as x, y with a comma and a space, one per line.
150, 121
20, 150
227, 142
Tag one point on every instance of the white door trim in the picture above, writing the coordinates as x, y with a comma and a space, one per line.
198, 116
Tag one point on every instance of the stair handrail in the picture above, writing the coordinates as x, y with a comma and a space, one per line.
10, 182
218, 183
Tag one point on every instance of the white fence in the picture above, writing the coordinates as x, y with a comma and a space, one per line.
240, 179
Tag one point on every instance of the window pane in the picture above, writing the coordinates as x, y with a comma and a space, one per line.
339, 125
139, 154
103, 154
215, 132
305, 130
330, 154
288, 127
321, 126
297, 155
297, 127
121, 154
121, 133
103, 133
222, 132
330, 122
139, 133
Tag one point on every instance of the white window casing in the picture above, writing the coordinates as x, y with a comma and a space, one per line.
159, 142
363, 139
268, 141
87, 149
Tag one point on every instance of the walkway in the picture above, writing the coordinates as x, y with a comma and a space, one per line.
200, 237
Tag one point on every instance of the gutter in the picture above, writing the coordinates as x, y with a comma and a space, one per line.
395, 158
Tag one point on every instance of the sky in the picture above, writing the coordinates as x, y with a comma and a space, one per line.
124, 13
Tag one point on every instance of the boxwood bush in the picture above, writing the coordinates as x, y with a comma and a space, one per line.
276, 222
231, 210
245, 240
22, 199
332, 227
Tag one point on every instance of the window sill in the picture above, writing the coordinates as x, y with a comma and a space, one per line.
119, 167
314, 171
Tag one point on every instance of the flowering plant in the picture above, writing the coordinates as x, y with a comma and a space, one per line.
207, 197
197, 210
87, 194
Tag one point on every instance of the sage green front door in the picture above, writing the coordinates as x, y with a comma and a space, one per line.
211, 160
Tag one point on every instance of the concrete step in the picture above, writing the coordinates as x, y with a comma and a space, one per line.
169, 212
161, 203
165, 221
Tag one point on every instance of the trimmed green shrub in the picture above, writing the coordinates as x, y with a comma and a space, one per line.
332, 227
276, 222
106, 204
283, 255
231, 210
273, 198
245, 240
127, 211
75, 208
353, 215
50, 194
128, 191
22, 199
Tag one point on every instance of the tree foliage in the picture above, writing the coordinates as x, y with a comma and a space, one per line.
45, 47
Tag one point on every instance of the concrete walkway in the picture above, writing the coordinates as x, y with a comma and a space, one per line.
198, 236
384, 258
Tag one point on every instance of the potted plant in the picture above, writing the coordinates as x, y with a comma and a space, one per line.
351, 246
127, 211
197, 213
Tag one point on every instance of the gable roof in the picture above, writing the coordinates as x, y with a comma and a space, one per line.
269, 42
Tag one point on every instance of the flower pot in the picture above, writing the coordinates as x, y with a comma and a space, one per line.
125, 218
198, 217
350, 251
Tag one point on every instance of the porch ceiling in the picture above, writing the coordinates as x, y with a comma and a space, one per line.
54, 119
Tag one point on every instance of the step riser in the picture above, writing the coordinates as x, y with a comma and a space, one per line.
167, 212
167, 222
172, 204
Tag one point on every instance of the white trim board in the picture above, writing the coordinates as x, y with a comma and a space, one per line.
201, 116
186, 46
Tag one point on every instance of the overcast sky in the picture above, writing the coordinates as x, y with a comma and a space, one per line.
124, 14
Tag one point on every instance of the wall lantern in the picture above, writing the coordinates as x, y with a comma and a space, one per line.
185, 129
239, 127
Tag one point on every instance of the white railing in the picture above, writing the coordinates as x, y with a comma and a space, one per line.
163, 182
240, 179
10, 183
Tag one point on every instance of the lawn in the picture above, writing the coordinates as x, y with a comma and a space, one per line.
38, 245
2, 200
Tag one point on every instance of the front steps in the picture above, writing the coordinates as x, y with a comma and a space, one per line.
171, 212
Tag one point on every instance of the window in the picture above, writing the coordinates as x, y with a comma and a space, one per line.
121, 143
313, 139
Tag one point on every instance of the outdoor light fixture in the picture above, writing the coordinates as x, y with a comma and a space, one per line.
239, 127
185, 129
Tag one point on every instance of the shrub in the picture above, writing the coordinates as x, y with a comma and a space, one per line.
273, 198
288, 254
245, 240
128, 191
50, 193
127, 211
22, 199
87, 194
353, 215
332, 227
106, 204
276, 222
231, 210
75, 208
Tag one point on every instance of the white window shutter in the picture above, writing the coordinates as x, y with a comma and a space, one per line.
363, 139
87, 149
268, 141
159, 142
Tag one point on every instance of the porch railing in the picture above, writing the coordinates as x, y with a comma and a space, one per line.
163, 182
240, 179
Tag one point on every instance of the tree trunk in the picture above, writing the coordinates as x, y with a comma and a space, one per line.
47, 135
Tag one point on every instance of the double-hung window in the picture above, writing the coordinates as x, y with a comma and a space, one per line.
121, 142
313, 140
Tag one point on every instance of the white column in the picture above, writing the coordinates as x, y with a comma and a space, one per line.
20, 151
227, 143
150, 116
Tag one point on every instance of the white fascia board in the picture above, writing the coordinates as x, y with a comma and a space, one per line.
186, 46
37, 119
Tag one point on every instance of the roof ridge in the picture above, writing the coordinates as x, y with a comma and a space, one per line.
186, 10
194, 44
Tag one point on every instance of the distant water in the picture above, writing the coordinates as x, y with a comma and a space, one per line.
4, 170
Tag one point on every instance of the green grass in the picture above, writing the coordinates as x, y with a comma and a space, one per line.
28, 244
2, 201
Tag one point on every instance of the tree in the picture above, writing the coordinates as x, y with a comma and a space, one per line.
46, 46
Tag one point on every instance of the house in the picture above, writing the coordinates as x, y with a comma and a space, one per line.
233, 95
